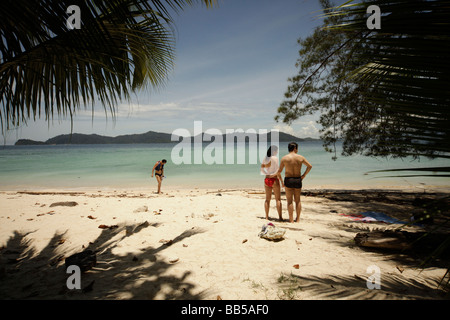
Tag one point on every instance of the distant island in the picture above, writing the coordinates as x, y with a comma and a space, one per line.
148, 137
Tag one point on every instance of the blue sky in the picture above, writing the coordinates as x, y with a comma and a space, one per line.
231, 70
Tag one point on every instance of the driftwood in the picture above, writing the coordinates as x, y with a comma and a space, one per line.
64, 204
384, 239
401, 240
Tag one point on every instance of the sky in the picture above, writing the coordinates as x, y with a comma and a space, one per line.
231, 69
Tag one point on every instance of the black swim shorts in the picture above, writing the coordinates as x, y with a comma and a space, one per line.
293, 182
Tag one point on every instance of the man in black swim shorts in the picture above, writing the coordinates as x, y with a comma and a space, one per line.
293, 182
292, 164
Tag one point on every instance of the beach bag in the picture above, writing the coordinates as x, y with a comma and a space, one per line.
270, 232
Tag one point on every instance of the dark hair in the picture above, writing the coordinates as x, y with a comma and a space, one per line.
292, 146
271, 151
164, 160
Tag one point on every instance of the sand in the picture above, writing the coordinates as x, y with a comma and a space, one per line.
200, 244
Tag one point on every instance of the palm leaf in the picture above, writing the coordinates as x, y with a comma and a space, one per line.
409, 71
47, 69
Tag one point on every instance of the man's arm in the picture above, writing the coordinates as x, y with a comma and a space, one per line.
308, 168
279, 172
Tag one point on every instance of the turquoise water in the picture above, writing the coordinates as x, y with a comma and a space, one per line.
129, 167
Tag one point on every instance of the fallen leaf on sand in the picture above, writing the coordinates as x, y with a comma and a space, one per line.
174, 259
104, 226
91, 217
166, 242
296, 266
244, 241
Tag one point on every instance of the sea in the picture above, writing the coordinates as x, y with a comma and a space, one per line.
129, 166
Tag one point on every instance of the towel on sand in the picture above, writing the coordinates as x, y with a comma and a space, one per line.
372, 216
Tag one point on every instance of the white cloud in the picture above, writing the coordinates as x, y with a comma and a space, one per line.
309, 130
285, 128
301, 129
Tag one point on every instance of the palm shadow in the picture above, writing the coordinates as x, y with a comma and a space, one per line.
392, 287
28, 274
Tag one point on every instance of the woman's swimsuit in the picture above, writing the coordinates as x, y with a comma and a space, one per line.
270, 170
159, 167
270, 181
293, 182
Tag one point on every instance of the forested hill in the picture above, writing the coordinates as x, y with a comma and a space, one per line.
148, 137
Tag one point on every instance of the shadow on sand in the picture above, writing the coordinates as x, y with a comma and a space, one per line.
27, 274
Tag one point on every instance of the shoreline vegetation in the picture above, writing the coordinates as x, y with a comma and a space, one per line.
148, 137
203, 244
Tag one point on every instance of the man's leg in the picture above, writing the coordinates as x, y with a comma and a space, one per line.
290, 204
298, 203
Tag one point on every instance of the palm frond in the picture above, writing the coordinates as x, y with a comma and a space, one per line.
47, 69
409, 71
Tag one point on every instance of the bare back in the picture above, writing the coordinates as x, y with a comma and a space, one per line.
293, 164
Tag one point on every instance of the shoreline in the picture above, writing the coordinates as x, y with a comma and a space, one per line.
170, 189
203, 244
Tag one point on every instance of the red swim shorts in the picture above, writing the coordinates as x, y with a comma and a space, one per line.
269, 181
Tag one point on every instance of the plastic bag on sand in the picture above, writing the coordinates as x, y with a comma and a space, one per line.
269, 231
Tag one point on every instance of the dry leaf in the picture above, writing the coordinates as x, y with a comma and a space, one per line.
166, 242
174, 259
296, 266
104, 226
244, 241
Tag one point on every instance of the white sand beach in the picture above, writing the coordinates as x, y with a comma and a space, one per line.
200, 244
